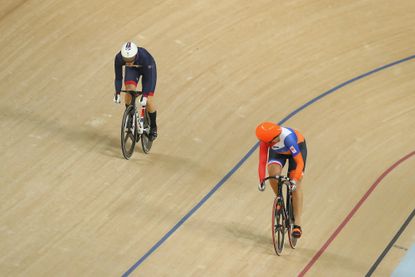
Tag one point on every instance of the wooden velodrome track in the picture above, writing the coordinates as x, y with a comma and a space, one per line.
72, 206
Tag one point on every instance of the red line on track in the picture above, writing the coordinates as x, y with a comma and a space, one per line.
351, 214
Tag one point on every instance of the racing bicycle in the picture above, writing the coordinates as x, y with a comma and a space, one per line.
282, 213
135, 125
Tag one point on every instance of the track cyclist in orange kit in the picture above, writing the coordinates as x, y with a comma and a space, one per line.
277, 145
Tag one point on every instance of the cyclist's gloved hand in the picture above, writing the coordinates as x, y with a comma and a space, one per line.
117, 98
143, 101
261, 186
293, 185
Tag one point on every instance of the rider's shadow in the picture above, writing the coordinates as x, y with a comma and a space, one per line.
82, 137
244, 232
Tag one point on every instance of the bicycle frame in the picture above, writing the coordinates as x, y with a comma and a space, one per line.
140, 119
139, 115
139, 125
281, 181
284, 208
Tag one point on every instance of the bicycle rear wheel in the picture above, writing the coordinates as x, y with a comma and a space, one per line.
146, 143
278, 226
128, 132
291, 220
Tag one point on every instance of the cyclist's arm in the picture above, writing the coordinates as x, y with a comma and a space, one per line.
298, 158
149, 77
263, 156
299, 169
118, 73
149, 80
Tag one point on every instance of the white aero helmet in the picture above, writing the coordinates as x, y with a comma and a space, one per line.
128, 51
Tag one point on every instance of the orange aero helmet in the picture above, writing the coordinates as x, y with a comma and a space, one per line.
267, 131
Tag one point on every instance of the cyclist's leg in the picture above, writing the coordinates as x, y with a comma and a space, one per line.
298, 209
298, 202
152, 111
274, 169
127, 97
276, 162
151, 106
298, 193
297, 206
149, 87
130, 82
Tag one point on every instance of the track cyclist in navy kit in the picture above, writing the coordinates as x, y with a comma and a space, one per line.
138, 63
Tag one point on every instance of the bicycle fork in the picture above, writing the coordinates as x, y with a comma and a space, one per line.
280, 208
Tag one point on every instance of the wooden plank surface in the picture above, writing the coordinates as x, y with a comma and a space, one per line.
72, 206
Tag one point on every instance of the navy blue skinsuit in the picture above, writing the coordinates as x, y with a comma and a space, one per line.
146, 69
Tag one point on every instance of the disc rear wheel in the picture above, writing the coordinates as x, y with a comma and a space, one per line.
291, 239
146, 143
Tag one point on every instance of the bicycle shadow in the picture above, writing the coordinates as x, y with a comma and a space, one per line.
244, 232
299, 254
171, 163
82, 136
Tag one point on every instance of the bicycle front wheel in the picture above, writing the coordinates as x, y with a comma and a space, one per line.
128, 132
278, 226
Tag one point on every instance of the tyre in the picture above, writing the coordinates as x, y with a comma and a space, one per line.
278, 226
290, 209
146, 143
128, 132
